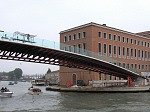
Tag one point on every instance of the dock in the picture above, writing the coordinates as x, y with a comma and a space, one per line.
100, 90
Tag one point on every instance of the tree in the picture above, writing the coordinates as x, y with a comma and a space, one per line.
17, 73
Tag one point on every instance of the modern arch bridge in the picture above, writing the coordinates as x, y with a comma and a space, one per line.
24, 47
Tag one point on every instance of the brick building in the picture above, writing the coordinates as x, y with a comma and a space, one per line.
130, 50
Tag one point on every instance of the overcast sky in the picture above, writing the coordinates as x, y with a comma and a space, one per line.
46, 18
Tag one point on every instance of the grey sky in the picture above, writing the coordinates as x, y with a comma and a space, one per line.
46, 18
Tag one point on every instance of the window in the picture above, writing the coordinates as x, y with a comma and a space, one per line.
65, 48
131, 41
142, 54
123, 51
124, 65
135, 42
84, 34
146, 67
105, 48
114, 37
99, 34
119, 64
84, 46
142, 66
139, 53
119, 50
142, 43
145, 54
74, 48
79, 48
69, 37
148, 45
118, 38
79, 35
148, 55
105, 35
114, 49
135, 66
110, 36
74, 36
65, 39
135, 52
131, 52
128, 66
139, 67
138, 42
127, 51
110, 49
99, 47
127, 40
145, 44
123, 40
70, 48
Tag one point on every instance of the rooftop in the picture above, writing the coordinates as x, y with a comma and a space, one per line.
103, 26
145, 34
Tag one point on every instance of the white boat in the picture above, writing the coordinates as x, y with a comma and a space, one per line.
6, 94
34, 91
38, 82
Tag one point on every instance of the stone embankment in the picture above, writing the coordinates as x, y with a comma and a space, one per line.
100, 89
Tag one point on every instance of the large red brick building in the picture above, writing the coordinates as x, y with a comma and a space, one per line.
131, 50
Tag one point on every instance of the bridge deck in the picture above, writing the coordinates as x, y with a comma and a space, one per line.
42, 51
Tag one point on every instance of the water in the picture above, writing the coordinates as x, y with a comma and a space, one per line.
72, 102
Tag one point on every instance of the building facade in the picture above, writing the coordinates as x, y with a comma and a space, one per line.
129, 50
52, 78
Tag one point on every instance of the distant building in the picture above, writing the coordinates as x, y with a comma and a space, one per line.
52, 77
130, 50
145, 34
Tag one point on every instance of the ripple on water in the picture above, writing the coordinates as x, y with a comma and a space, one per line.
72, 102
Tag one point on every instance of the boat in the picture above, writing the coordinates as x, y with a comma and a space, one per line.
38, 82
15, 82
34, 91
4, 92
11, 83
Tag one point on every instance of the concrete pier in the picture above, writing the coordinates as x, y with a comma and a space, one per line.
100, 90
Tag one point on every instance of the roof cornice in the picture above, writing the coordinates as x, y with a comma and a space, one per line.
102, 26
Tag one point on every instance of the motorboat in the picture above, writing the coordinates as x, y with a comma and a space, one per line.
11, 83
4, 92
34, 91
38, 82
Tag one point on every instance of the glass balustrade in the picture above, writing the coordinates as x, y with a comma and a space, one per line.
26, 39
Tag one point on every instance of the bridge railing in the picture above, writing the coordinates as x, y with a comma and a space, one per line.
5, 36
99, 56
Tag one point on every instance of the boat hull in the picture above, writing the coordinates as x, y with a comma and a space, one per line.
34, 91
6, 94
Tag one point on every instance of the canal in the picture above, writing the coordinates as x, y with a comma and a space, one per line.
72, 102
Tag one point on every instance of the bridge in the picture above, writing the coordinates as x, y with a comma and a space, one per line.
24, 47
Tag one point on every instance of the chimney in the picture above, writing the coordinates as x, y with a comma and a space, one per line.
103, 24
